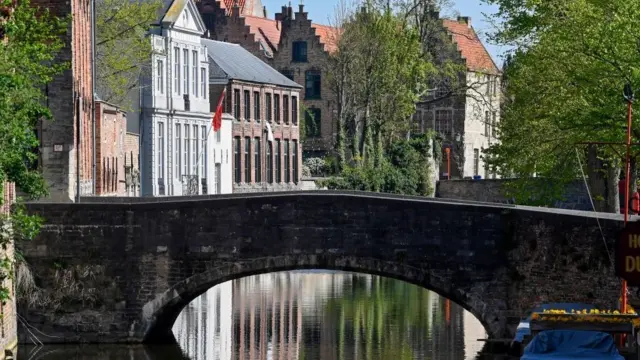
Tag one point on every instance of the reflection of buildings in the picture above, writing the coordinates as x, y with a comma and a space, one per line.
204, 328
325, 316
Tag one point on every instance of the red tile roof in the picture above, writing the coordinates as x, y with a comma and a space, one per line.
472, 49
270, 30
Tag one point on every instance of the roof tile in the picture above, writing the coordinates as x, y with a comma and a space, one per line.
472, 49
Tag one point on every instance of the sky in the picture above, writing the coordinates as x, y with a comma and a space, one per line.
320, 11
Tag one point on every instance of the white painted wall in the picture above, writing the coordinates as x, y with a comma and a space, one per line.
167, 154
479, 101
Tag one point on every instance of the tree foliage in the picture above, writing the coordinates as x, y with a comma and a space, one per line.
565, 84
27, 63
123, 51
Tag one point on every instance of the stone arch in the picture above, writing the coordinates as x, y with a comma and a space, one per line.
159, 314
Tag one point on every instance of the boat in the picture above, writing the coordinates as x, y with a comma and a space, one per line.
572, 345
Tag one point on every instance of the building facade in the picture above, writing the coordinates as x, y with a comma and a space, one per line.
8, 318
466, 121
177, 140
265, 106
66, 143
117, 151
293, 45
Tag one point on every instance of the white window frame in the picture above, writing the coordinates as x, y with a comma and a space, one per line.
176, 69
178, 150
195, 149
204, 82
194, 63
185, 68
185, 150
160, 76
161, 155
203, 162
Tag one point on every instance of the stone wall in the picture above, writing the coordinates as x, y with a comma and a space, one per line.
8, 319
139, 263
576, 196
69, 95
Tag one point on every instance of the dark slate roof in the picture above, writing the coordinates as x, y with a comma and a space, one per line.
239, 64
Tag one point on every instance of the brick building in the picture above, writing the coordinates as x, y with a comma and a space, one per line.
117, 151
266, 107
70, 99
295, 46
466, 118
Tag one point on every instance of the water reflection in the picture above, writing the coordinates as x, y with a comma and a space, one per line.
328, 316
305, 315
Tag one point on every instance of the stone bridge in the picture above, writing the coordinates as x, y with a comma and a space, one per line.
121, 270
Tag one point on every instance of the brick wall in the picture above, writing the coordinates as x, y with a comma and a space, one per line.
58, 138
299, 28
8, 320
250, 128
115, 150
233, 28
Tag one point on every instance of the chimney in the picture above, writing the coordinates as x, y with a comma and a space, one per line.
290, 11
464, 20
235, 10
301, 6
282, 15
264, 12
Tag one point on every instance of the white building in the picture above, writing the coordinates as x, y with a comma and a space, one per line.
180, 154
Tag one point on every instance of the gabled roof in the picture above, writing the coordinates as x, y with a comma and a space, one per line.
171, 10
247, 7
270, 31
470, 46
239, 64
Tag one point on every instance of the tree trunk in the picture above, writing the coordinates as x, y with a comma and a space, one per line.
597, 180
613, 199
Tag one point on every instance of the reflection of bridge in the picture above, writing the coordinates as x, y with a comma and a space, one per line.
148, 258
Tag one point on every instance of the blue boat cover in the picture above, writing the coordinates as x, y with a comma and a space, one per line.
571, 344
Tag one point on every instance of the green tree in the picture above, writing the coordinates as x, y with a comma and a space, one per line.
123, 50
27, 63
565, 84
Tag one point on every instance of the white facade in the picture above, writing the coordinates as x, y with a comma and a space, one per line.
482, 115
180, 153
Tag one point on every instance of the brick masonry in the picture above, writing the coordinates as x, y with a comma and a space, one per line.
229, 26
149, 259
8, 320
575, 196
58, 138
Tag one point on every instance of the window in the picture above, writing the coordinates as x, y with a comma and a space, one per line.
160, 150
444, 122
493, 124
294, 160
285, 108
476, 162
203, 151
195, 151
185, 151
247, 105
287, 174
203, 82
276, 107
256, 160
489, 84
294, 110
269, 162
313, 85
219, 136
278, 162
236, 159
312, 122
194, 64
288, 73
160, 77
176, 70
256, 106
247, 160
495, 86
185, 67
487, 124
236, 104
177, 153
299, 51
268, 107
443, 88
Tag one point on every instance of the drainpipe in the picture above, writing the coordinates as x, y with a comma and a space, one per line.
93, 90
78, 145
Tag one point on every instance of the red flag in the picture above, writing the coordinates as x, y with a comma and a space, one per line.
217, 117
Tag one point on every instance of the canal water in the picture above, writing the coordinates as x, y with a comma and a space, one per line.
306, 315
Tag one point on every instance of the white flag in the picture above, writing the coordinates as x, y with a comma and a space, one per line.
269, 132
